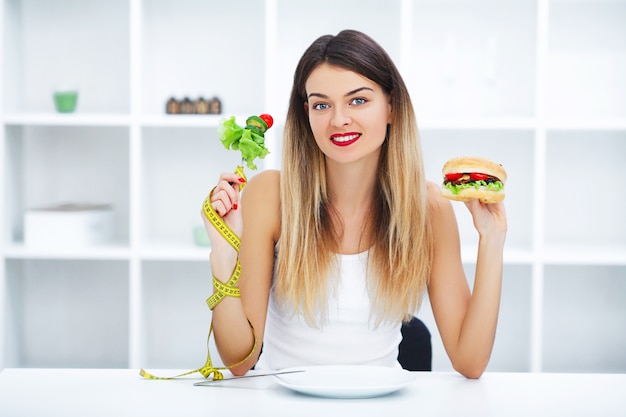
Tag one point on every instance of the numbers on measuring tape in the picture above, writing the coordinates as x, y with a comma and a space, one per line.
217, 222
225, 290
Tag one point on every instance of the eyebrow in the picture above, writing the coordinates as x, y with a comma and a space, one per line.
349, 93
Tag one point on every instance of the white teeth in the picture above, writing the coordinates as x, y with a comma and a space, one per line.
345, 138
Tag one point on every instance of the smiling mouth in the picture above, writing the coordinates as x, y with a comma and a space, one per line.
345, 140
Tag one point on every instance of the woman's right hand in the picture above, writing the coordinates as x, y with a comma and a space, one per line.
225, 201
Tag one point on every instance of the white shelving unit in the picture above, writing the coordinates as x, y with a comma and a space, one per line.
538, 85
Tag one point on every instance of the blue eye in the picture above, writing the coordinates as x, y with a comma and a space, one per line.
320, 106
358, 101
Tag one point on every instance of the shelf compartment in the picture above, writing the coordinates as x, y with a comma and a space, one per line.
473, 61
586, 61
509, 355
513, 149
185, 53
176, 317
71, 314
84, 45
49, 165
584, 206
584, 319
380, 20
180, 167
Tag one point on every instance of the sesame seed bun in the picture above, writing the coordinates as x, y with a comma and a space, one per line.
463, 164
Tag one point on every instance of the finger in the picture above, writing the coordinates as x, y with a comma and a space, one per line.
228, 198
226, 192
219, 207
232, 179
231, 187
472, 203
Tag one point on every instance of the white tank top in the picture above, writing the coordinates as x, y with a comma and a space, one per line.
349, 335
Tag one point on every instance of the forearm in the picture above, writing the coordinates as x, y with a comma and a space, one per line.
479, 326
233, 333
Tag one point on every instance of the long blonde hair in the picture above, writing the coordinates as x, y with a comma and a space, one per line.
400, 257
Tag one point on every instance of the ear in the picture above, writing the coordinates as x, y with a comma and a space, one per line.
306, 108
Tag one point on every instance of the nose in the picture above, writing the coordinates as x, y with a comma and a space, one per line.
340, 117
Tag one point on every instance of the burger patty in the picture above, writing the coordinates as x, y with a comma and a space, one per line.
465, 179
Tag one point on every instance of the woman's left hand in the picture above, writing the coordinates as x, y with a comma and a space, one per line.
488, 219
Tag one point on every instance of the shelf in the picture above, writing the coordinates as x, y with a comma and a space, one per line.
113, 253
69, 119
512, 255
614, 124
537, 85
594, 255
496, 123
170, 251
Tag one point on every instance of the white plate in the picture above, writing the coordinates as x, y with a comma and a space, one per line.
352, 381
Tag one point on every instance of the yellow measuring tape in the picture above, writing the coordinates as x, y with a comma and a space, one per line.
221, 291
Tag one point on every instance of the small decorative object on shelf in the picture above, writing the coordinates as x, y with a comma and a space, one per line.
65, 99
198, 106
202, 106
187, 106
74, 225
215, 106
172, 106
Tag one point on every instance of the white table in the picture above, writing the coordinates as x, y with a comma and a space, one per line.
120, 393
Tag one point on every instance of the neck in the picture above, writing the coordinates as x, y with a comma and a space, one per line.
351, 187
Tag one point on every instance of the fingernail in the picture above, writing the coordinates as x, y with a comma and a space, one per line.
242, 180
234, 206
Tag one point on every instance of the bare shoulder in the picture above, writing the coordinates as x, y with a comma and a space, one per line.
441, 212
265, 178
260, 200
264, 185
436, 201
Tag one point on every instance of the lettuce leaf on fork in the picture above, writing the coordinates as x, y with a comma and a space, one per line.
235, 137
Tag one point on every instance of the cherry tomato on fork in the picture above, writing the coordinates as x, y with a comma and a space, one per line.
269, 120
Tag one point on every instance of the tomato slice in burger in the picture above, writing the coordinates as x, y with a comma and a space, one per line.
453, 177
477, 176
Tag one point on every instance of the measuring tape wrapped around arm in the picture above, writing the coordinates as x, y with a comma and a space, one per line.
251, 141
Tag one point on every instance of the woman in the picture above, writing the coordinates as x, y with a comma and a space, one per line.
339, 247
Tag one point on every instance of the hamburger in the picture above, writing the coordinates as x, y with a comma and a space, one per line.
470, 177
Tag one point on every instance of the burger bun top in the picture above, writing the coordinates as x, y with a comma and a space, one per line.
468, 164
